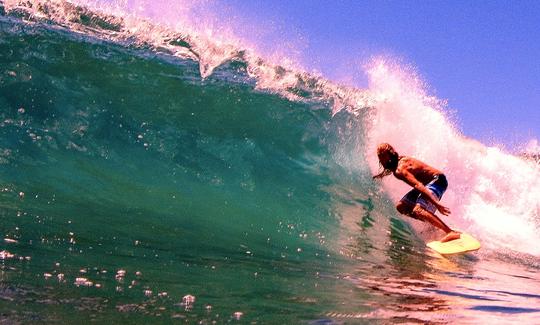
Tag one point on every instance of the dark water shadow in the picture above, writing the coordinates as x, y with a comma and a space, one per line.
462, 295
504, 309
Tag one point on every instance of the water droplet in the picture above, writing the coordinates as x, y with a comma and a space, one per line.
83, 282
188, 301
4, 255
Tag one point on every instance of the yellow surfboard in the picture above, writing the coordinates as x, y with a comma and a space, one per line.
466, 243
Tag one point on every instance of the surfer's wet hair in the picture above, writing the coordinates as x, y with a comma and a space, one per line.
389, 166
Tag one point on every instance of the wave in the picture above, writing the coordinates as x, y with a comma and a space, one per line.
117, 24
240, 117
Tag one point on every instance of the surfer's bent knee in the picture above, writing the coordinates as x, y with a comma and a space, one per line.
418, 209
404, 208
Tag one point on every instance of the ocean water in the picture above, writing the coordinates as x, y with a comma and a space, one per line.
151, 174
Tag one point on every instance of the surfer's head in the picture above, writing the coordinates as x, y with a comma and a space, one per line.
388, 159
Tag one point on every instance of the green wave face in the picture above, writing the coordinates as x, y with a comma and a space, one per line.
118, 159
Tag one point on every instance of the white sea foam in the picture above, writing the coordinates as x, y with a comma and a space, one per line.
492, 194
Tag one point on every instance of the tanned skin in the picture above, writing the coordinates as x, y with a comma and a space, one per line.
416, 174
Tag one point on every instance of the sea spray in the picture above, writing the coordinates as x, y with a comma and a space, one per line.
492, 194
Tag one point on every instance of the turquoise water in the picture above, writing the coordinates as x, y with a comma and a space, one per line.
136, 191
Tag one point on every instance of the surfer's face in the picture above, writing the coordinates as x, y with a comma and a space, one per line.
385, 158
388, 159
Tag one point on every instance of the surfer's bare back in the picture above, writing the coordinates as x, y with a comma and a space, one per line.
429, 184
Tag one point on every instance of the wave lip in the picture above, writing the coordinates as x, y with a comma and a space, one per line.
206, 48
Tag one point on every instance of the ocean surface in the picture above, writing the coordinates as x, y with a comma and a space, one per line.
153, 174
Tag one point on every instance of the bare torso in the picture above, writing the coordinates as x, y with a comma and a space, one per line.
420, 170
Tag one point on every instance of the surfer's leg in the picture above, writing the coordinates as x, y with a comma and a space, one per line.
404, 207
419, 212
416, 211
406, 204
425, 210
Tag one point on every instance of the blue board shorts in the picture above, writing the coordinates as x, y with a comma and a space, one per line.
437, 186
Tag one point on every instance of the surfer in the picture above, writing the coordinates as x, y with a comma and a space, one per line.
429, 184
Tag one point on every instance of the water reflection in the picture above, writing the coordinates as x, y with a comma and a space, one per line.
401, 280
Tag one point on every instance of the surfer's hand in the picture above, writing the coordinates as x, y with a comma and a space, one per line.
442, 209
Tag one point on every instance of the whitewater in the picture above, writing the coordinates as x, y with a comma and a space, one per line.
157, 169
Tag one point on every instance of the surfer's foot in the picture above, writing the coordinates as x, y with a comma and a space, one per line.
451, 236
